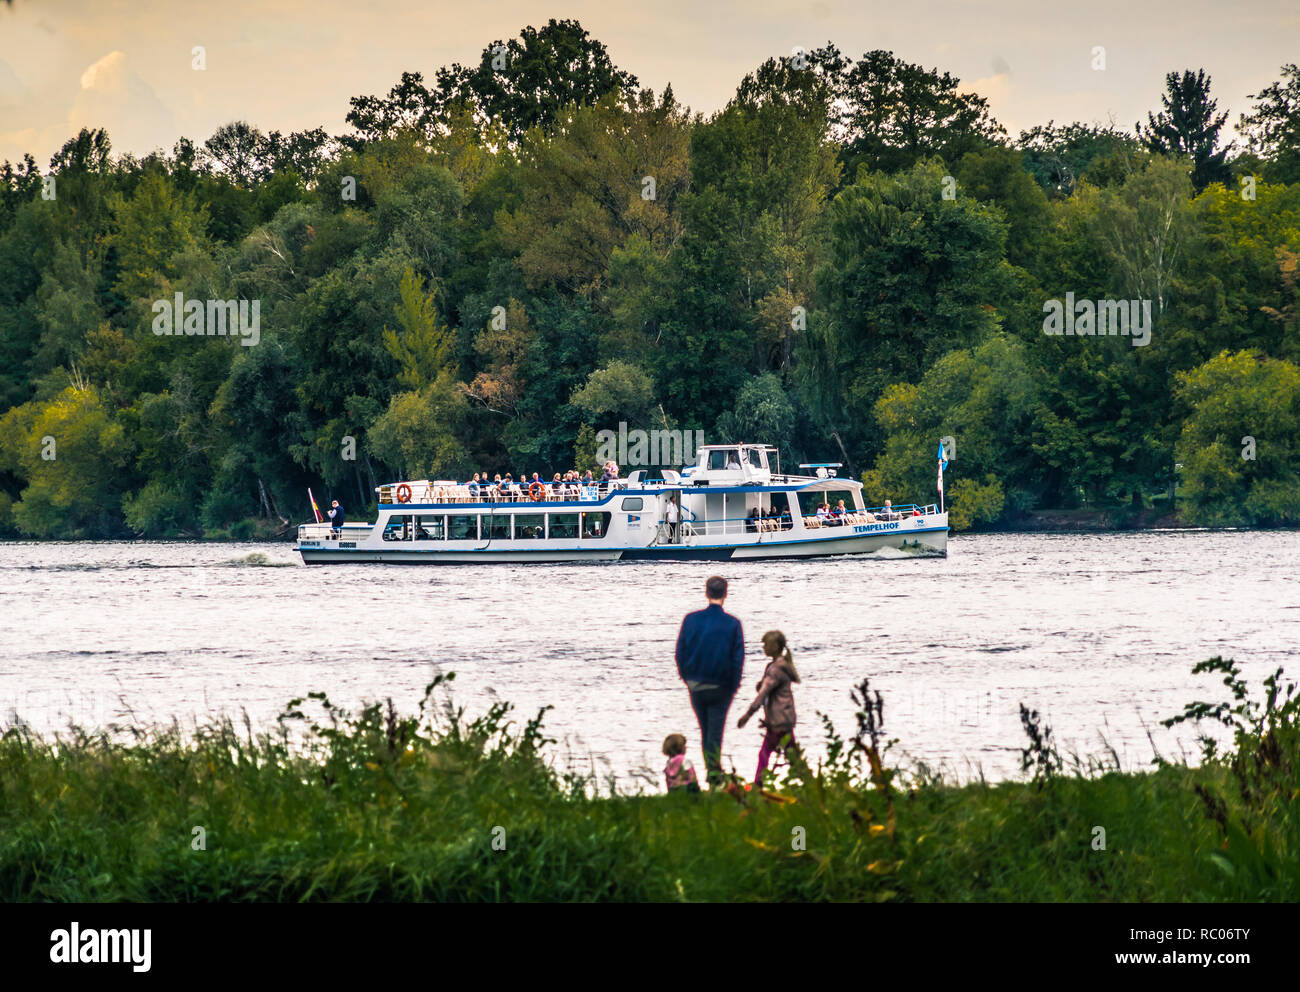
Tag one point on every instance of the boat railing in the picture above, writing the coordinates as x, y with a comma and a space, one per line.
460, 492
323, 531
735, 525
754, 525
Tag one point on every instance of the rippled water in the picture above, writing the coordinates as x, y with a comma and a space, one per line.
1097, 631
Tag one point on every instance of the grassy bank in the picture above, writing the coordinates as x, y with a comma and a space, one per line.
376, 806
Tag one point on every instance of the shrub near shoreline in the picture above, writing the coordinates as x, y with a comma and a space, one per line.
380, 806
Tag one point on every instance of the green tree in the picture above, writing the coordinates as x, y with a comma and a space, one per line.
525, 83
997, 175
908, 277
990, 399
1272, 128
70, 451
899, 113
1238, 446
423, 346
153, 228
763, 413
1059, 157
1189, 126
620, 389
417, 434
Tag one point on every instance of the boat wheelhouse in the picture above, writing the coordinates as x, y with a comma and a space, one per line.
733, 504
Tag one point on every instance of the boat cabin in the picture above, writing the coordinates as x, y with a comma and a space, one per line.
735, 465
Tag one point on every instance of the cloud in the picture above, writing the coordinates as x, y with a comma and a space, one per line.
113, 96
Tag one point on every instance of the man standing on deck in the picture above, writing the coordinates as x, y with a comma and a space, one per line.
710, 659
670, 517
336, 519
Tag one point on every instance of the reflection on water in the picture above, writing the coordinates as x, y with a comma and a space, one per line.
1099, 632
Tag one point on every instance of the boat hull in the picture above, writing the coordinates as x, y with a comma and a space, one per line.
929, 542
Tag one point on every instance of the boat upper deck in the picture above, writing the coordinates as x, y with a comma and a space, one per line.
436, 493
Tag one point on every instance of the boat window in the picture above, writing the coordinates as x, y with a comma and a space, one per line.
719, 459
396, 527
755, 458
809, 501
594, 525
496, 526
529, 525
564, 525
429, 528
462, 527
633, 503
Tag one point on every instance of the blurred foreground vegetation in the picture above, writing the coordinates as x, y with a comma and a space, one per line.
379, 806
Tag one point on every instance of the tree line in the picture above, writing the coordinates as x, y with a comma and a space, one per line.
850, 260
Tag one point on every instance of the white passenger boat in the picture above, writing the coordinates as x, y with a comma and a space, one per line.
733, 504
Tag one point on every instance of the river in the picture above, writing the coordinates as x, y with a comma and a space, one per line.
1099, 632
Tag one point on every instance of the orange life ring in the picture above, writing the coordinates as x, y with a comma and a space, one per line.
403, 493
536, 492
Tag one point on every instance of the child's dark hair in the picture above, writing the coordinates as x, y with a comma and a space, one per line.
674, 744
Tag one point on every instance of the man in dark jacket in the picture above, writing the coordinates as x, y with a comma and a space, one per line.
710, 659
336, 519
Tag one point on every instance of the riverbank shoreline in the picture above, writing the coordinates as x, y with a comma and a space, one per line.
384, 807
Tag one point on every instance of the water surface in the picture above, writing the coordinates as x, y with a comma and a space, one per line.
1099, 632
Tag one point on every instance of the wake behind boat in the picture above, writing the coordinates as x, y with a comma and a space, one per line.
733, 504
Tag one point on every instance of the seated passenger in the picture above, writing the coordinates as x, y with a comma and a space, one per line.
840, 513
887, 513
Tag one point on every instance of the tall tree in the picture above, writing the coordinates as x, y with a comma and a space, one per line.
1058, 157
898, 113
516, 85
524, 83
1189, 126
1272, 128
908, 276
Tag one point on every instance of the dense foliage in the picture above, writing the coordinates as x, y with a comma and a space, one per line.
850, 260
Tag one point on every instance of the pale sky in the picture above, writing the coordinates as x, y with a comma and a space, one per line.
285, 65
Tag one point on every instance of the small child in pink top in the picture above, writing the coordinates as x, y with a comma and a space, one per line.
679, 772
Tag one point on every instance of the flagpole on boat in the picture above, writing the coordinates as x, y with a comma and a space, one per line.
941, 463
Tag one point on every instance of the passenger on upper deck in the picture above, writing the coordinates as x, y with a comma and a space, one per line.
824, 514
887, 513
472, 486
840, 512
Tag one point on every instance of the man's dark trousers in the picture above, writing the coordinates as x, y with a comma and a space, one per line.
711, 707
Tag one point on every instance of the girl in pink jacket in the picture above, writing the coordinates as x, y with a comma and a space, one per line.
777, 700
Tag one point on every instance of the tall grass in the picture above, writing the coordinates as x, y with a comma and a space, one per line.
377, 805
